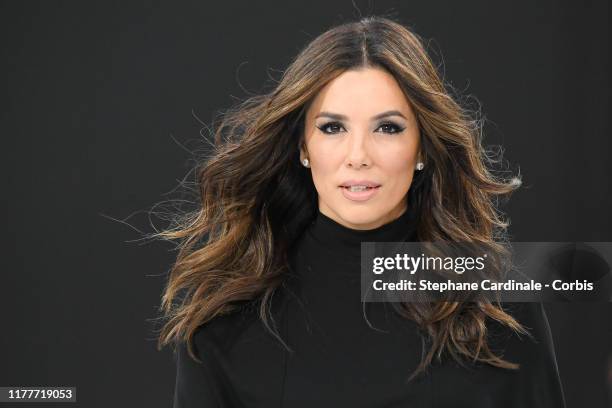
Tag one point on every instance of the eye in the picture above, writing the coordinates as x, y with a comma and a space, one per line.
330, 127
391, 128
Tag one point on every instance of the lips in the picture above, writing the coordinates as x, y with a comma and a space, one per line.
358, 187
366, 183
359, 192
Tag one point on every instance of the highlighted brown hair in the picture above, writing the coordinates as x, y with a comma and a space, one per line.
255, 198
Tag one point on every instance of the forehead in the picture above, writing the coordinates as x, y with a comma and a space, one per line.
366, 91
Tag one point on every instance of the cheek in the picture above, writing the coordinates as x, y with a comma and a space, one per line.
325, 164
399, 163
323, 177
399, 171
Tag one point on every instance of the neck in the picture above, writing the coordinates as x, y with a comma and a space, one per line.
342, 240
396, 213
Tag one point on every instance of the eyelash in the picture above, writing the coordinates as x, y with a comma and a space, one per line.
398, 129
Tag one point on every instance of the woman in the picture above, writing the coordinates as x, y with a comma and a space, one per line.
358, 142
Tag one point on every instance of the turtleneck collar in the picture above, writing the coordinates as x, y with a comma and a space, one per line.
341, 239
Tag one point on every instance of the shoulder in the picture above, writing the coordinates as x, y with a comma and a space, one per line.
222, 331
537, 344
536, 382
238, 332
198, 383
205, 382
534, 352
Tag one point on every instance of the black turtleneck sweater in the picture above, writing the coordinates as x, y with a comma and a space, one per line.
346, 353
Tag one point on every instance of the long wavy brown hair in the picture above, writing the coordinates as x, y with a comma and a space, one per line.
255, 199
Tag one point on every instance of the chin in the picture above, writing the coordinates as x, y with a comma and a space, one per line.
360, 216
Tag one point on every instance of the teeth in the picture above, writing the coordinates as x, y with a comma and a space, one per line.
357, 188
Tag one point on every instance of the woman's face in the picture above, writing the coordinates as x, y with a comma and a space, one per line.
360, 128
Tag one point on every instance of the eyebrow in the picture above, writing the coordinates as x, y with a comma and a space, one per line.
338, 116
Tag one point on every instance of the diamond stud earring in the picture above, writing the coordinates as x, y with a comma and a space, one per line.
420, 166
305, 162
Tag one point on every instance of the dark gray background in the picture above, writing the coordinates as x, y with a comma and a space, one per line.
95, 97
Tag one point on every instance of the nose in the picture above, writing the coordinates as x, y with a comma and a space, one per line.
358, 155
